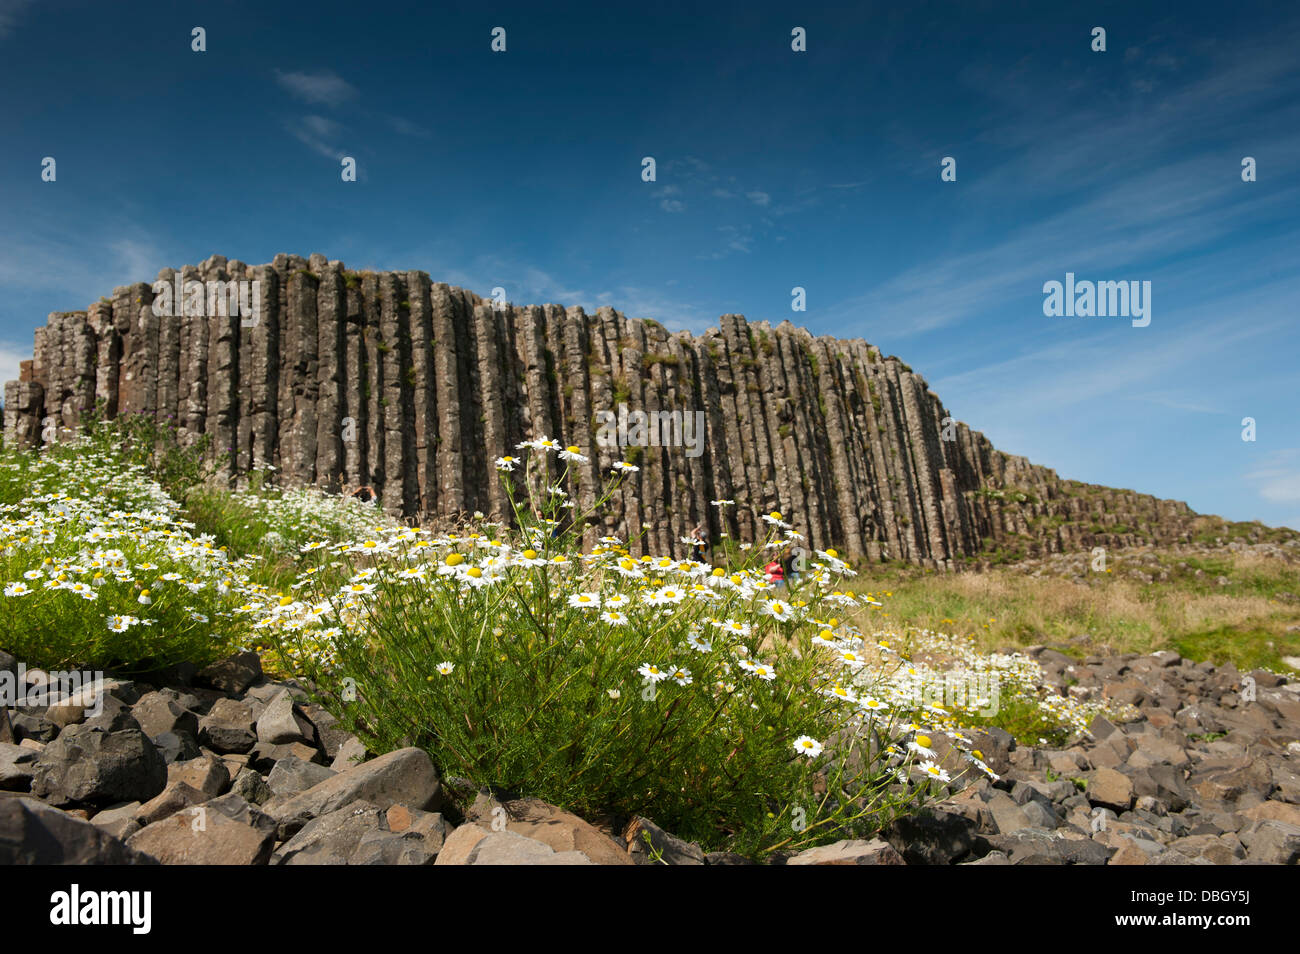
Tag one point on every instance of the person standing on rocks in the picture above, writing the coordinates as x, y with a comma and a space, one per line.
699, 544
775, 572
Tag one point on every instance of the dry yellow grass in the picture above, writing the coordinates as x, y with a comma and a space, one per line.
1245, 621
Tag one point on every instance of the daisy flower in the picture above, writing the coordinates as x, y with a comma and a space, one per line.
921, 746
777, 609
541, 444
851, 659
764, 672
839, 692
613, 617
665, 596
584, 600
682, 677
807, 745
652, 672
930, 770
445, 668
698, 643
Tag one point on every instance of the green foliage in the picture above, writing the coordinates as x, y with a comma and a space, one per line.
648, 361
622, 393
156, 447
489, 650
101, 571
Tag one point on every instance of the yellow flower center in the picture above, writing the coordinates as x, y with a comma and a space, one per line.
454, 559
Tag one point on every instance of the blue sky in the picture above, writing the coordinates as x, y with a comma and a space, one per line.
775, 169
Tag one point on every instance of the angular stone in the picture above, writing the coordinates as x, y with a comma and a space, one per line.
17, 767
229, 726
874, 852
292, 776
934, 837
1110, 789
234, 806
1230, 784
1008, 816
250, 786
281, 724
207, 773
332, 837
64, 715
387, 848
176, 747
173, 798
460, 844
351, 752
160, 712
233, 675
430, 827
263, 756
32, 833
508, 848
197, 836
1272, 842
647, 843
563, 831
119, 820
85, 764
405, 777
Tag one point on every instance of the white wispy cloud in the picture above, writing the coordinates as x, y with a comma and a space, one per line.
10, 11
408, 128
325, 87
75, 269
1277, 479
319, 133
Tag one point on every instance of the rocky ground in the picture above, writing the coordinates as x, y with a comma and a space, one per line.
225, 766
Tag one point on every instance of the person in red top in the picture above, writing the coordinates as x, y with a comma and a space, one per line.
775, 573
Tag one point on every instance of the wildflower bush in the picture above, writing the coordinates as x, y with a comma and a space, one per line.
275, 523
99, 569
153, 445
734, 714
522, 655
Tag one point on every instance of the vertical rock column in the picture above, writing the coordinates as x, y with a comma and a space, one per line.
331, 320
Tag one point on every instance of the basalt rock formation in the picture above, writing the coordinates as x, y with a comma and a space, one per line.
413, 388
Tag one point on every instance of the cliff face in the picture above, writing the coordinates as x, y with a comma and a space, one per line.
413, 388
